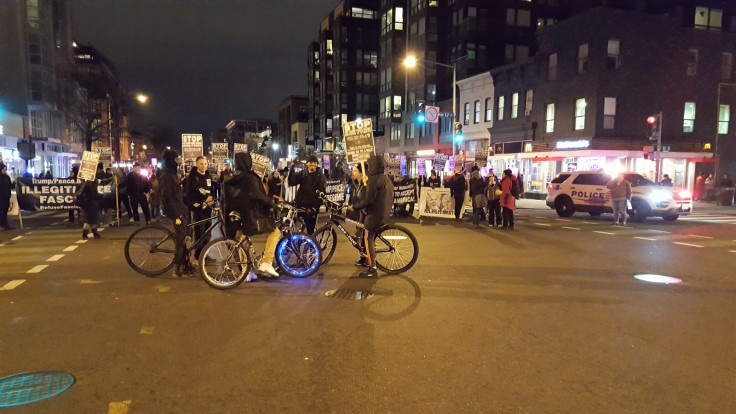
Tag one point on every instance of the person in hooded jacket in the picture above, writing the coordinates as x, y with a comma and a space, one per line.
477, 195
251, 201
310, 181
493, 194
377, 203
91, 208
358, 191
508, 202
172, 201
6, 185
458, 185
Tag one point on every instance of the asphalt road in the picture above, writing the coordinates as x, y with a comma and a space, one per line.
547, 318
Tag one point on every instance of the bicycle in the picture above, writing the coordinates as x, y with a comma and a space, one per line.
150, 250
225, 262
396, 247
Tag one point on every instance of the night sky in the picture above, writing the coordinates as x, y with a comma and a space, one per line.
204, 63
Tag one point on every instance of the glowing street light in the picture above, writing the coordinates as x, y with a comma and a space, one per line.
275, 146
142, 98
145, 147
410, 62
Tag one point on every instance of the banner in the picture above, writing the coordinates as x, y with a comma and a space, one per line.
261, 164
359, 144
105, 156
405, 191
335, 191
481, 157
36, 194
88, 169
439, 162
219, 153
436, 202
393, 167
191, 146
237, 148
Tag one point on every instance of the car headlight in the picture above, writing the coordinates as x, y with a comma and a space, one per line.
659, 195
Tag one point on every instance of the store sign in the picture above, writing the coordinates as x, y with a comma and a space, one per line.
579, 144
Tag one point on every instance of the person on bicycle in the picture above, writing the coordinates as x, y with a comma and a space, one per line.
200, 198
310, 181
357, 192
377, 203
172, 200
251, 201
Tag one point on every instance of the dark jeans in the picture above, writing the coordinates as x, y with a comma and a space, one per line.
126, 203
508, 218
370, 240
155, 210
135, 201
4, 215
310, 220
180, 236
199, 229
494, 212
459, 200
476, 215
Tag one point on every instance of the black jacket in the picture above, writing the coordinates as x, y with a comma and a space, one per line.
244, 192
309, 184
379, 195
477, 184
458, 185
433, 182
199, 187
136, 184
5, 186
356, 193
172, 198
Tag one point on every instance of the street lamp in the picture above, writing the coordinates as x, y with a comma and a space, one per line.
411, 62
275, 146
142, 98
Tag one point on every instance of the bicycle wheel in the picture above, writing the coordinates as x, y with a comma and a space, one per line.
396, 249
298, 255
223, 264
326, 238
150, 250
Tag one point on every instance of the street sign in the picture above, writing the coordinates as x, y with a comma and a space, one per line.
88, 169
191, 146
432, 114
359, 144
219, 152
105, 156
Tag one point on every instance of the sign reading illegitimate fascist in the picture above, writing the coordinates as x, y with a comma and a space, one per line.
239, 148
219, 152
58, 194
439, 162
261, 163
335, 191
191, 146
481, 157
88, 169
359, 144
105, 156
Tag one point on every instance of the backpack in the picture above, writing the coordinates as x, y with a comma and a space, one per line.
80, 196
515, 188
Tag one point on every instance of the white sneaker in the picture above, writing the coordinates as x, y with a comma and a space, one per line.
131, 220
268, 269
251, 277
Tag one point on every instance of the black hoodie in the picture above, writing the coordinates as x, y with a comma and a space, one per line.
379, 195
172, 198
244, 193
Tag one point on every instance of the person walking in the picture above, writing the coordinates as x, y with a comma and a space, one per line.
699, 193
507, 199
6, 185
377, 203
274, 183
310, 181
478, 196
138, 186
458, 186
172, 201
493, 194
89, 200
620, 195
73, 176
200, 200
357, 192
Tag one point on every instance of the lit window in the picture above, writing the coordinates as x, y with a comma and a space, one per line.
609, 113
466, 114
688, 117
724, 115
329, 46
550, 118
528, 106
476, 114
707, 18
692, 62
501, 104
489, 109
614, 54
580, 105
514, 105
397, 103
399, 21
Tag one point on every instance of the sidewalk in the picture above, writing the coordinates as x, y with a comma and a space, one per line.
698, 207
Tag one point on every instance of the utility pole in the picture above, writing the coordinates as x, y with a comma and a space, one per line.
659, 149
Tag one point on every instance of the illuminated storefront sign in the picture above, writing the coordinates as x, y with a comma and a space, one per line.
581, 143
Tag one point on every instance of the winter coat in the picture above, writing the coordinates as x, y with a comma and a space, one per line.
91, 207
309, 184
5, 186
136, 184
358, 191
491, 190
433, 182
246, 194
620, 191
172, 197
458, 185
274, 186
199, 187
507, 200
478, 190
379, 195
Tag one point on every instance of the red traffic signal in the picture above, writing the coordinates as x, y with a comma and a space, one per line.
652, 120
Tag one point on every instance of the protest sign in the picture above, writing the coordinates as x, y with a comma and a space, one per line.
393, 167
261, 164
219, 153
88, 169
481, 157
191, 146
359, 144
439, 162
35, 194
335, 191
405, 191
105, 156
237, 148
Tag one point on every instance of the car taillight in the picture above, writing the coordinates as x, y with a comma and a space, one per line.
682, 195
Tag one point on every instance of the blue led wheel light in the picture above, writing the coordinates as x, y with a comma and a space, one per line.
295, 245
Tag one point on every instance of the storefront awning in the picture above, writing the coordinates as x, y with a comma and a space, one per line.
535, 159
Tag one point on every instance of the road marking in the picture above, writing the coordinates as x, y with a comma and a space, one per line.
732, 251
602, 232
2, 244
12, 284
571, 228
54, 224
37, 269
543, 224
16, 238
688, 244
88, 282
70, 248
82, 241
121, 407
563, 219
162, 289
55, 258
702, 237
645, 238
147, 330
540, 217
659, 231
101, 229
589, 222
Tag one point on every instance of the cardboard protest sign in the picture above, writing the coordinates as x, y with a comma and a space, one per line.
481, 157
237, 148
191, 146
335, 191
393, 167
105, 156
88, 169
359, 144
439, 162
261, 164
219, 152
405, 191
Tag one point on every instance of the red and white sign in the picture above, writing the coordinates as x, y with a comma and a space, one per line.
432, 114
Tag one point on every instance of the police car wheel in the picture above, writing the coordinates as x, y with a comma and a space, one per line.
671, 217
595, 213
640, 211
565, 207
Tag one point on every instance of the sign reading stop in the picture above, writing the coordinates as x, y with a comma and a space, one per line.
432, 114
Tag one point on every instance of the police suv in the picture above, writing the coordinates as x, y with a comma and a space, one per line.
586, 191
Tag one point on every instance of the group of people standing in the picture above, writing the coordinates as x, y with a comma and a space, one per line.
490, 197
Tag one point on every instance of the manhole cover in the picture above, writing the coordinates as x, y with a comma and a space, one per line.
30, 387
348, 294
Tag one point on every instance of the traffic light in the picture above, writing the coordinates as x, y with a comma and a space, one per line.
458, 132
421, 117
653, 122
